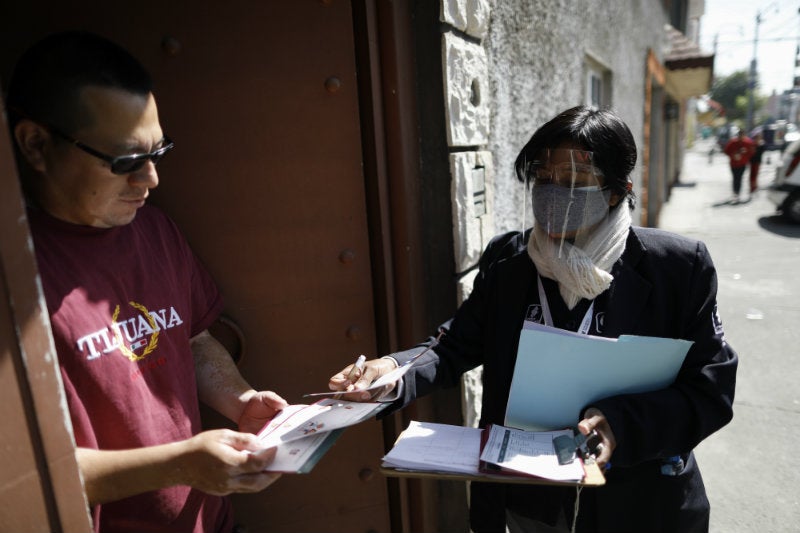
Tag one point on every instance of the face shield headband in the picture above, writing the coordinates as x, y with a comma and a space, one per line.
568, 191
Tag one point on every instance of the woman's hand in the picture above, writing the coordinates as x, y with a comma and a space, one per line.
351, 381
595, 419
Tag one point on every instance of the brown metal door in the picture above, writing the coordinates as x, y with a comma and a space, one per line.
266, 182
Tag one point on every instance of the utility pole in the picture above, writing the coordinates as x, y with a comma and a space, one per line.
795, 77
793, 92
751, 82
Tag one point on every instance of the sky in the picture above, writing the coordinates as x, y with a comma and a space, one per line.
733, 24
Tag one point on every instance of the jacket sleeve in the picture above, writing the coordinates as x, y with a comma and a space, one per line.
461, 348
674, 420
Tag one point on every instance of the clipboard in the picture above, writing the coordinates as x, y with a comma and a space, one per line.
442, 451
594, 477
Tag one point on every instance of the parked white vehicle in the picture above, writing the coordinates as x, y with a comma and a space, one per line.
784, 192
792, 134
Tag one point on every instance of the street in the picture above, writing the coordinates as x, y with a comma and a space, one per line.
749, 466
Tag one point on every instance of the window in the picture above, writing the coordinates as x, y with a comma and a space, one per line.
594, 89
598, 83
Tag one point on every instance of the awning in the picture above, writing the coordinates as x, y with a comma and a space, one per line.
689, 70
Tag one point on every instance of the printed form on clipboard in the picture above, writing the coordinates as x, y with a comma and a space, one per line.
531, 453
559, 372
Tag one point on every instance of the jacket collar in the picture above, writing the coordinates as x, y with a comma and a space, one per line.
629, 288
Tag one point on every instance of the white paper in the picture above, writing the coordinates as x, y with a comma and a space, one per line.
436, 447
298, 455
299, 421
529, 452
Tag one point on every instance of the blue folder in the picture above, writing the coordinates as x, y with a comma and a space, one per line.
559, 372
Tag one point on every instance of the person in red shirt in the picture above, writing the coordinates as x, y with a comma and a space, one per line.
755, 161
739, 151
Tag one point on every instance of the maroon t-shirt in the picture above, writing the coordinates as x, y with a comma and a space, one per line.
123, 304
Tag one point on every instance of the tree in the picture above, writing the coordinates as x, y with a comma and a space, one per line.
728, 89
731, 92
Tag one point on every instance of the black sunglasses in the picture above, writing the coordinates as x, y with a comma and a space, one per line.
124, 164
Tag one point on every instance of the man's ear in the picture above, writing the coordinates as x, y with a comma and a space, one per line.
32, 140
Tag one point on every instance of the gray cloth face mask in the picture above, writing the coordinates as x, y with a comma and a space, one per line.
565, 211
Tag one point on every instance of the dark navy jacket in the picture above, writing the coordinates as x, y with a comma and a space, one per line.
665, 285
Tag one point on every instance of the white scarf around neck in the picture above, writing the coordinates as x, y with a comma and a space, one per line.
582, 270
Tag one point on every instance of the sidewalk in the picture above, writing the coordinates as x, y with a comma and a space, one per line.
701, 202
749, 467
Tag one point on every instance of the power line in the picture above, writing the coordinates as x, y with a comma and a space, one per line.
751, 41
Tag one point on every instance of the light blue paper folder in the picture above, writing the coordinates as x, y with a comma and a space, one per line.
560, 372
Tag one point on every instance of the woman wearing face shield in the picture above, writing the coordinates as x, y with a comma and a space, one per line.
583, 267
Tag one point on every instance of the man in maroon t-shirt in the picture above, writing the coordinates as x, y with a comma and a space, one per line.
129, 303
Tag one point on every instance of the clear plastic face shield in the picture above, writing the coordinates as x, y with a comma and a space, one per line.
568, 192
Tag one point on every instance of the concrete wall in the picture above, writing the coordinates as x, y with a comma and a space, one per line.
537, 52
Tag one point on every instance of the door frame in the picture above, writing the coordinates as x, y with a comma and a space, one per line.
390, 137
40, 446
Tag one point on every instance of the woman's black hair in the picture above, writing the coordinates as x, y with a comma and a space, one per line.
597, 130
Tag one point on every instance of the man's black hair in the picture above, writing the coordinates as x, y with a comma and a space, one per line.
46, 83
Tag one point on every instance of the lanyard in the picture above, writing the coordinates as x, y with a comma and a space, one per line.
586, 323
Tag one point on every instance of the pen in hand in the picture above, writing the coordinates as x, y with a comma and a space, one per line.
358, 368
354, 374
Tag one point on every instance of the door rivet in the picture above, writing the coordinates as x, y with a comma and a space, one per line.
366, 474
171, 46
333, 84
353, 333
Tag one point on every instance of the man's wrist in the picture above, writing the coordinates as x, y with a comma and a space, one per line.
246, 396
244, 399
